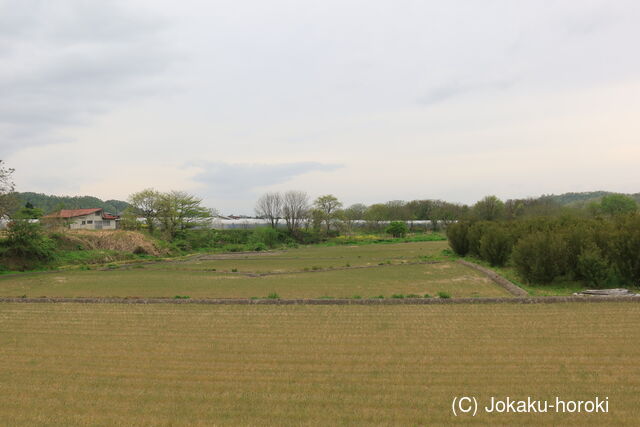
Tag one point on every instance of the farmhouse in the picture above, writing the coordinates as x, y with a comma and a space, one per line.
85, 219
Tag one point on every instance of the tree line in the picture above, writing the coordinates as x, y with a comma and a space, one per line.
598, 245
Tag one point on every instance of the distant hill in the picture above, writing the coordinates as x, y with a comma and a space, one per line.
582, 198
50, 204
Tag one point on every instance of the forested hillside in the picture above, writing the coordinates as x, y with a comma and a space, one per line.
582, 198
50, 204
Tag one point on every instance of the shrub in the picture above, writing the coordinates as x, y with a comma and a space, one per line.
444, 295
458, 237
273, 295
26, 240
474, 235
594, 267
397, 229
495, 245
625, 247
540, 257
264, 237
258, 247
139, 250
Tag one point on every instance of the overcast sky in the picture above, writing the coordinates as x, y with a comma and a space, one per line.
368, 100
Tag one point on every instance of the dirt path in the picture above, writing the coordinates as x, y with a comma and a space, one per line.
511, 287
373, 301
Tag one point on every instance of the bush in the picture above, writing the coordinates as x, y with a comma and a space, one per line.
26, 240
625, 248
474, 235
495, 245
397, 229
594, 267
444, 295
258, 247
458, 237
268, 237
540, 257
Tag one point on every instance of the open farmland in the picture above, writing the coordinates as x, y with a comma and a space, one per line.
312, 272
70, 364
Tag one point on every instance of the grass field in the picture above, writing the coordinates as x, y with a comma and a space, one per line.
70, 364
311, 272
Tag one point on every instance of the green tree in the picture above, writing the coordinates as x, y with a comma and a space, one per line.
495, 245
457, 234
397, 229
489, 209
328, 206
145, 204
540, 257
617, 204
7, 201
28, 212
178, 211
27, 241
129, 220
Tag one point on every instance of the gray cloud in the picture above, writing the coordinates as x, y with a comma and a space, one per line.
453, 89
68, 61
225, 179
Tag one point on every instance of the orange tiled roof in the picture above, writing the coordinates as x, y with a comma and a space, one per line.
71, 213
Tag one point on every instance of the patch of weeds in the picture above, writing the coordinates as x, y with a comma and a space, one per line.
347, 265
356, 297
427, 296
181, 297
254, 298
23, 296
397, 296
381, 263
84, 267
378, 297
234, 270
273, 295
413, 296
212, 269
445, 295
315, 268
305, 269
112, 266
388, 261
326, 297
448, 253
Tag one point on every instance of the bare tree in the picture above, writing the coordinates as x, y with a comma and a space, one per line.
295, 205
269, 206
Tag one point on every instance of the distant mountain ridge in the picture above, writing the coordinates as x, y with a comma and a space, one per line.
50, 203
583, 197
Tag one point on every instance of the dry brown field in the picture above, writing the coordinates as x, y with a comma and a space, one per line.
118, 364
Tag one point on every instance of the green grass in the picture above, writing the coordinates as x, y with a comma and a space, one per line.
310, 272
557, 287
118, 364
456, 279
